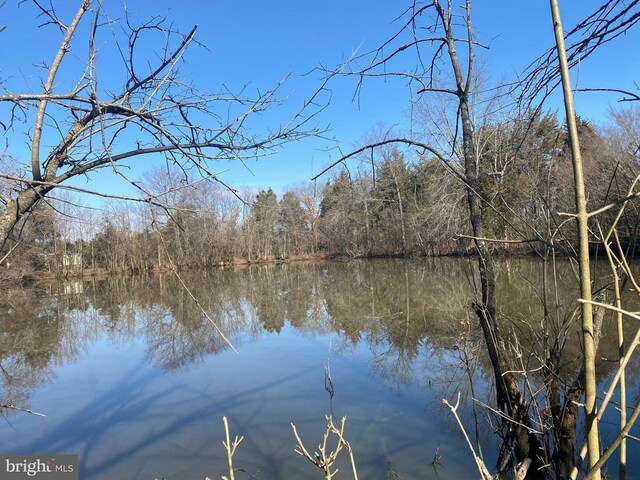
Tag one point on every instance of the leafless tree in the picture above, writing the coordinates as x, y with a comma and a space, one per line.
83, 118
441, 36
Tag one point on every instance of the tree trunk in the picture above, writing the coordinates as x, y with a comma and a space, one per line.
588, 336
16, 209
401, 212
509, 398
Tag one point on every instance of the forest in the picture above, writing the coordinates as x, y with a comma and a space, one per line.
393, 203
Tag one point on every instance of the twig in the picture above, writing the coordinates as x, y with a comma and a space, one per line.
328, 380
498, 240
6, 255
322, 459
482, 468
437, 456
339, 434
507, 418
26, 410
230, 447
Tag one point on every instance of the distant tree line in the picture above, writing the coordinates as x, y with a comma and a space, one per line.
391, 202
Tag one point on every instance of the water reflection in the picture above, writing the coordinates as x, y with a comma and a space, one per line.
134, 377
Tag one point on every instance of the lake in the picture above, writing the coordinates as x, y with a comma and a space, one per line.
135, 378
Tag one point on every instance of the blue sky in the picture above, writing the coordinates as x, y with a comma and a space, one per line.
260, 43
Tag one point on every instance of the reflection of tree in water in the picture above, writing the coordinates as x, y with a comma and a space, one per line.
412, 315
33, 333
521, 300
178, 341
179, 331
267, 297
300, 297
397, 308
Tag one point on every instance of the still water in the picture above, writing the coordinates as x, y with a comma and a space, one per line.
135, 378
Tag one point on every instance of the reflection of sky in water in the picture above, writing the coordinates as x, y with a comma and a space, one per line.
135, 401
127, 419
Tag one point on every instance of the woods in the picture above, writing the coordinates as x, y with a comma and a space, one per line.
395, 201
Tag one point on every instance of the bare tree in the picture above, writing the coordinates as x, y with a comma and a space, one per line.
450, 71
83, 119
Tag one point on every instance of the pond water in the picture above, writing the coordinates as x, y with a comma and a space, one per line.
135, 378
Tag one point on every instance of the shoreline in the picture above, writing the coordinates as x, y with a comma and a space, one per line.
239, 263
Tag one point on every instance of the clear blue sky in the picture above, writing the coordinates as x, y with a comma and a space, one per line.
260, 42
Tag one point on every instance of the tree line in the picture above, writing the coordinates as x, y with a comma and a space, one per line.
389, 202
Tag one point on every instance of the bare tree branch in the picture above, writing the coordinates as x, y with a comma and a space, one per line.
53, 71
165, 116
610, 20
